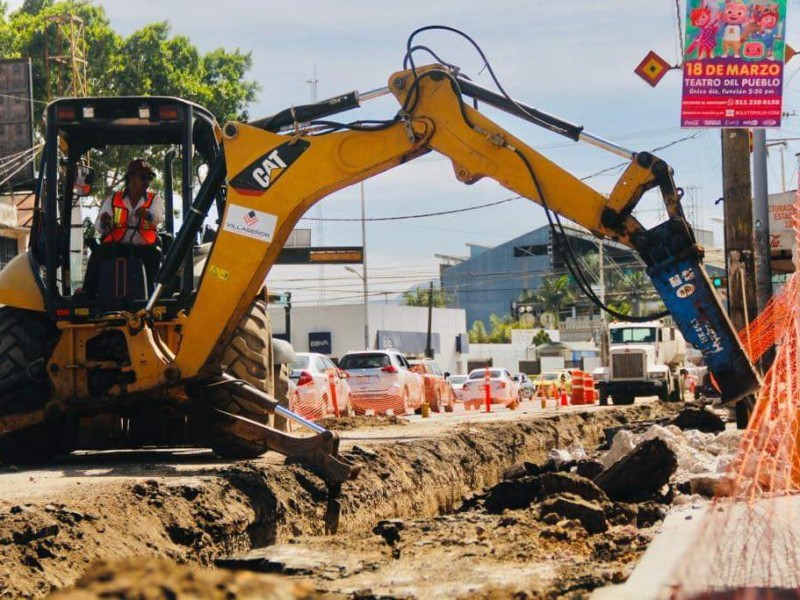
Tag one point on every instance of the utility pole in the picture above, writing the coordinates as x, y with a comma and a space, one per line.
603, 317
288, 322
429, 339
739, 247
761, 220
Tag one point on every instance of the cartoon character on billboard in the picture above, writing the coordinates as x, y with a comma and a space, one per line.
766, 18
707, 22
735, 16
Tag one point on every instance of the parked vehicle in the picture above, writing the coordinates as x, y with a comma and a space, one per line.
644, 360
318, 379
381, 380
456, 384
438, 393
545, 382
504, 389
525, 384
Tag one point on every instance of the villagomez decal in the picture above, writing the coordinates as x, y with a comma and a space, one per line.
263, 172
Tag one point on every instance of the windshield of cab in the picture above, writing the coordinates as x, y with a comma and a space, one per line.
633, 335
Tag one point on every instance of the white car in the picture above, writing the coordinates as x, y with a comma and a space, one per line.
381, 380
318, 380
457, 383
504, 389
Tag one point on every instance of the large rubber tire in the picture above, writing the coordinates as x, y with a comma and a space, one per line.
247, 357
281, 395
26, 342
623, 400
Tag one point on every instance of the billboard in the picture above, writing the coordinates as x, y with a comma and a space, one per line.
733, 63
782, 211
16, 123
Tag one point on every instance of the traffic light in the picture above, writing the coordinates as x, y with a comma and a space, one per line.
720, 281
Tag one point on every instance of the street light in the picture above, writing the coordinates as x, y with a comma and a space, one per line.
366, 311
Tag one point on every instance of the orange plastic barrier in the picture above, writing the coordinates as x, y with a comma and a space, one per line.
591, 394
578, 387
334, 399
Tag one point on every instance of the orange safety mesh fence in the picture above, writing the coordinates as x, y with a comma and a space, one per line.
308, 403
378, 403
748, 544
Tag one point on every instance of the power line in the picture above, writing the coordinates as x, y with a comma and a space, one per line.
420, 216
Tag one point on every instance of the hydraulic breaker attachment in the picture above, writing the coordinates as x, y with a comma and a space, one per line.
673, 261
319, 452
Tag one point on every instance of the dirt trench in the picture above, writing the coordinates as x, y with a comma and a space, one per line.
198, 518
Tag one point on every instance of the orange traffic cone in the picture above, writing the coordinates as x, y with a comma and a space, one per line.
564, 399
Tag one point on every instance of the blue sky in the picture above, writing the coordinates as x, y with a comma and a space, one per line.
573, 59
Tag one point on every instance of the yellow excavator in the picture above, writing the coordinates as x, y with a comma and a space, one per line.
188, 361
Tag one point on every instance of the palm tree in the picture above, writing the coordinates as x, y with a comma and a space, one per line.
554, 293
477, 334
635, 287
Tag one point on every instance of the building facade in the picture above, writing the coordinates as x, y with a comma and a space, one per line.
339, 328
491, 279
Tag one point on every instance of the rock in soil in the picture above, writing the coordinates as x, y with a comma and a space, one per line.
641, 473
700, 419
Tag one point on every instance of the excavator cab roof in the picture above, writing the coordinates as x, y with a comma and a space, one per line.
95, 122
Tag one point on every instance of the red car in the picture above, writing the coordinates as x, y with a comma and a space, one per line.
438, 393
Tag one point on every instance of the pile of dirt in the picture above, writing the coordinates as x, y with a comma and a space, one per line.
214, 511
159, 578
345, 423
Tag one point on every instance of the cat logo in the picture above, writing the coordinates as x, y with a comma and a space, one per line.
263, 172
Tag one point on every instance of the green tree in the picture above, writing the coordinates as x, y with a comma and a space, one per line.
553, 294
541, 337
150, 61
631, 289
500, 331
477, 334
421, 297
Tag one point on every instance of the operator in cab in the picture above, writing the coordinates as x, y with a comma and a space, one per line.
129, 217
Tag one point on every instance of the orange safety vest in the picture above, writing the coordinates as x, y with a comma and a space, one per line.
146, 229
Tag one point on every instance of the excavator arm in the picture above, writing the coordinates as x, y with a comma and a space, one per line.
274, 178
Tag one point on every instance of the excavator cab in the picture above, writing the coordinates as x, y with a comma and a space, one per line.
94, 369
80, 132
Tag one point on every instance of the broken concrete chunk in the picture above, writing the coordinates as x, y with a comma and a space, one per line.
699, 419
558, 483
569, 506
512, 494
639, 474
649, 514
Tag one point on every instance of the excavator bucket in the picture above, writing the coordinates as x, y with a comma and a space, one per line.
686, 291
319, 452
